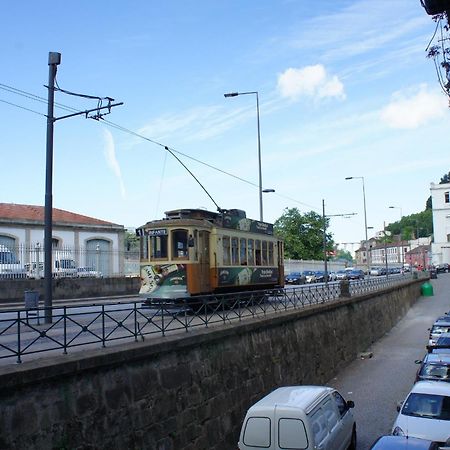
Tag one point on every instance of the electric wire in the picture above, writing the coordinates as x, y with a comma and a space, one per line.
133, 133
22, 107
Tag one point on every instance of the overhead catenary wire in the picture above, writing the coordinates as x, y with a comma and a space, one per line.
133, 133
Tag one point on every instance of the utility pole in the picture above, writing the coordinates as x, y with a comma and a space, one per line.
324, 219
325, 241
54, 59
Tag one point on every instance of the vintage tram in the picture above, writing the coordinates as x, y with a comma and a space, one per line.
194, 252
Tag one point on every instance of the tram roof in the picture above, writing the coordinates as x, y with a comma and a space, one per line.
231, 218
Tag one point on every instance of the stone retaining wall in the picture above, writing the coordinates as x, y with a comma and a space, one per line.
191, 391
67, 288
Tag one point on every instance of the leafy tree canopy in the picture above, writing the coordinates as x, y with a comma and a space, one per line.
131, 241
413, 226
302, 234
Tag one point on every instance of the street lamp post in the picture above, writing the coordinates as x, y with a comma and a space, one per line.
235, 94
365, 219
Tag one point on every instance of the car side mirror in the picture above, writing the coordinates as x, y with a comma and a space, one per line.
418, 361
399, 406
350, 403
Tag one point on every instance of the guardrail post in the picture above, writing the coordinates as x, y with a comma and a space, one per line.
65, 329
345, 289
18, 338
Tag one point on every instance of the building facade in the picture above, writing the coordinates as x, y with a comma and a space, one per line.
440, 197
85, 240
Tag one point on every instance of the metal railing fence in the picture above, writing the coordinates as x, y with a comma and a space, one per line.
24, 333
27, 261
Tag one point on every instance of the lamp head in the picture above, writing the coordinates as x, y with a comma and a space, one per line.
231, 94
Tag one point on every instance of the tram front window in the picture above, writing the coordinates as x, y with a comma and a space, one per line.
179, 244
158, 247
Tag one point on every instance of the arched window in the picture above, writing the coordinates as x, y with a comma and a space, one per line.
98, 255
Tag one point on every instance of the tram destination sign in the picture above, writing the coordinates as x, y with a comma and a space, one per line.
157, 232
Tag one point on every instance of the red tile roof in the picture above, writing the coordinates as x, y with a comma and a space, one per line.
34, 213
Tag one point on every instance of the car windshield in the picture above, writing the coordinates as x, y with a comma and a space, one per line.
428, 406
440, 329
440, 371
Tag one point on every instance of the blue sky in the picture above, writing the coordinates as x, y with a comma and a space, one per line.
345, 89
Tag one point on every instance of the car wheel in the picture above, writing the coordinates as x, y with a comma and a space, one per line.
352, 445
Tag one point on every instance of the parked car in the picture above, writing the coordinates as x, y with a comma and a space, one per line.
295, 278
298, 417
402, 442
442, 325
443, 341
425, 413
310, 276
320, 276
355, 274
88, 272
434, 366
441, 268
375, 271
332, 276
341, 275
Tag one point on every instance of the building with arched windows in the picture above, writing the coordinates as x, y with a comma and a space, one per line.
86, 241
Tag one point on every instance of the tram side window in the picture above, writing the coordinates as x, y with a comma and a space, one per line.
243, 251
258, 252
271, 262
250, 254
264, 253
226, 250
158, 247
234, 251
179, 244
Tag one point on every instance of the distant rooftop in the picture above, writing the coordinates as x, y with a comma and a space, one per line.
14, 212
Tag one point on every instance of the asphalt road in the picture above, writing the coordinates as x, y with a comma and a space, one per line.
376, 384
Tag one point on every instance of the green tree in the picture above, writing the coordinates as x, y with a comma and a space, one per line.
302, 234
445, 178
343, 254
131, 241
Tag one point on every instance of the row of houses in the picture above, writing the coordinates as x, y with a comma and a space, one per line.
424, 252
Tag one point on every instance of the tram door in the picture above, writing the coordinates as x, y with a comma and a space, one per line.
203, 259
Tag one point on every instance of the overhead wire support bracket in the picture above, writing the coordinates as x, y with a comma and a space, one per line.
86, 112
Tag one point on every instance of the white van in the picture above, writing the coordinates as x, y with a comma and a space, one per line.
10, 266
300, 418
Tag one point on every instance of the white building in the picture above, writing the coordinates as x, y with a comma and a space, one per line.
90, 242
440, 248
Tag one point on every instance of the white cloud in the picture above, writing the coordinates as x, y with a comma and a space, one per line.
310, 81
413, 108
110, 156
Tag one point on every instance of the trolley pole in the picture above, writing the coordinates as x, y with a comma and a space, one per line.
54, 59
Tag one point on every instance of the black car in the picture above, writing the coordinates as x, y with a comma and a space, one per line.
295, 278
403, 442
434, 367
441, 268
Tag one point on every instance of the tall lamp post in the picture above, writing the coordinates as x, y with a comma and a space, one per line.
365, 219
402, 259
235, 94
